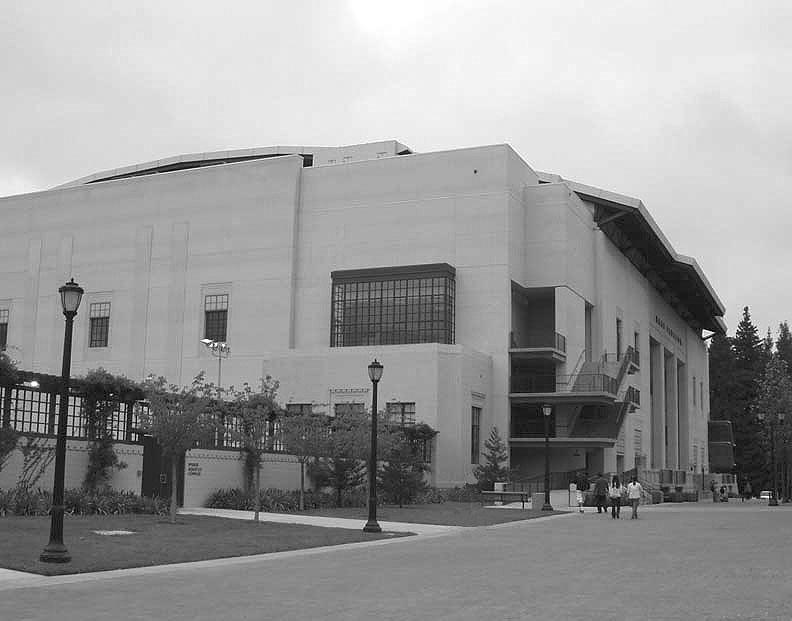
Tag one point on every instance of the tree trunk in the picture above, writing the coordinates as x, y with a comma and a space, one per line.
258, 494
174, 484
302, 485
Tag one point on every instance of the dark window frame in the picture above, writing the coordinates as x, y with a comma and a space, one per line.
4, 313
475, 434
216, 317
99, 324
393, 306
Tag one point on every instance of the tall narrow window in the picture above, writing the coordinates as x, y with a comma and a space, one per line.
3, 328
99, 315
619, 342
637, 346
475, 434
216, 317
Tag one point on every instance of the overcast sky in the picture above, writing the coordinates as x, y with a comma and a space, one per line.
685, 105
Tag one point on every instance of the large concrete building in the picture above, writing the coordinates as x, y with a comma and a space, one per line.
485, 288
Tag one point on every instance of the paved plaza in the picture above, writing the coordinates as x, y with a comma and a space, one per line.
686, 561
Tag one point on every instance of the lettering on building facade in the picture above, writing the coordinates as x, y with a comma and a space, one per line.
668, 330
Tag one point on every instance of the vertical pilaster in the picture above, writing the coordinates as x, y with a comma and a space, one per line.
683, 418
179, 242
31, 303
140, 302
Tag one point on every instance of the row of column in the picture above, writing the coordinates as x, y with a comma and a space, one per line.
670, 419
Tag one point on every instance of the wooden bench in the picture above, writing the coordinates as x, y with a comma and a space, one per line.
502, 495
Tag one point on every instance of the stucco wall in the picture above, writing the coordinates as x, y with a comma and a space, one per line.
127, 479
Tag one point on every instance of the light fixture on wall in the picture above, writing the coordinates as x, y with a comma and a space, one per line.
576, 453
220, 350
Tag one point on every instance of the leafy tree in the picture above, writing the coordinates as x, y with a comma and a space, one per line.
402, 476
774, 397
9, 374
178, 418
255, 413
103, 393
305, 436
494, 468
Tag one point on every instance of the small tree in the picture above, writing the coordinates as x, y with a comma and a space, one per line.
178, 418
305, 436
402, 476
255, 413
8, 442
496, 456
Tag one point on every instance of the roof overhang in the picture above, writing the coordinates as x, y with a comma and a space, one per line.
678, 278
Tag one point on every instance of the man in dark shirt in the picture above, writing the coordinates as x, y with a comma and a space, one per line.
601, 493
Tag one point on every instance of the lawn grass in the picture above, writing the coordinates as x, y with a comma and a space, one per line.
156, 541
447, 513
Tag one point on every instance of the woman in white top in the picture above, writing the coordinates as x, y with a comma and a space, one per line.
615, 491
634, 491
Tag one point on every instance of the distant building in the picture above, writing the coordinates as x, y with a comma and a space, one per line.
485, 288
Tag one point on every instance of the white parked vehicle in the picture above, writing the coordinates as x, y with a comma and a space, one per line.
765, 494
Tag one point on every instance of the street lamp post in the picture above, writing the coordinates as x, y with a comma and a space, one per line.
220, 350
547, 410
375, 374
55, 551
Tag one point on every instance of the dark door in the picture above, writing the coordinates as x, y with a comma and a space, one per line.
157, 472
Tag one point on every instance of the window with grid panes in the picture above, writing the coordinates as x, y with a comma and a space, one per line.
216, 317
475, 434
392, 306
99, 314
341, 409
401, 413
3, 328
299, 408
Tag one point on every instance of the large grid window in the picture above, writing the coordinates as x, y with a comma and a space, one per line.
475, 434
30, 411
401, 413
100, 324
216, 317
3, 328
392, 306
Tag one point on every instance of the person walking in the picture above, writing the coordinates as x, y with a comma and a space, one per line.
712, 489
615, 492
634, 491
747, 490
601, 493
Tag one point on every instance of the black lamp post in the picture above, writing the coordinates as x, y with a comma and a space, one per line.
547, 410
55, 552
375, 373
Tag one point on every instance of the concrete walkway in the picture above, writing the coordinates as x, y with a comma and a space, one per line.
326, 522
677, 562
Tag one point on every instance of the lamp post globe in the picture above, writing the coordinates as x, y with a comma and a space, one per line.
55, 551
375, 374
547, 411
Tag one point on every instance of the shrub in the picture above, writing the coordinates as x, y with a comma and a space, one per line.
22, 500
468, 493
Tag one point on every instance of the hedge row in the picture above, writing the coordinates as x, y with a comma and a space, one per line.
22, 500
281, 501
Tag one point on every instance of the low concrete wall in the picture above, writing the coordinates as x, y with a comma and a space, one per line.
206, 471
127, 479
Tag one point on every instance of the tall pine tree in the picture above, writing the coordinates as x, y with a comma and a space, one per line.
722, 370
749, 352
784, 345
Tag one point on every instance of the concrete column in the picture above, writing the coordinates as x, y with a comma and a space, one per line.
671, 420
657, 413
683, 418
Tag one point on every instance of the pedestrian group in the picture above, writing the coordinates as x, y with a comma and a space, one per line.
612, 494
